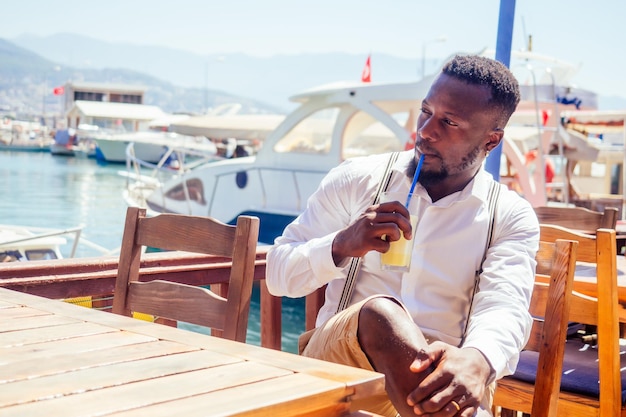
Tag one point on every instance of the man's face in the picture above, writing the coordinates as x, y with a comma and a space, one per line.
455, 129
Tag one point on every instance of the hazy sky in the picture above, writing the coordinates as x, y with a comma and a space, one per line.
589, 33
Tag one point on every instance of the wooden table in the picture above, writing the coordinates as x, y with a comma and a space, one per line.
620, 237
57, 359
585, 279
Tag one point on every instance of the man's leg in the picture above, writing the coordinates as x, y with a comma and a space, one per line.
390, 339
337, 341
377, 334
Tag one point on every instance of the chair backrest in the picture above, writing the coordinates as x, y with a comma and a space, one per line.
176, 301
578, 218
550, 306
601, 311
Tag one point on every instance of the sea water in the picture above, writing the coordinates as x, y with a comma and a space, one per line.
39, 189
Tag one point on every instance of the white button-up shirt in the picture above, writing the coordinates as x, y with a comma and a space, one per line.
449, 246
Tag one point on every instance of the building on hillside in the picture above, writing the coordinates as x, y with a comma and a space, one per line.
102, 92
113, 116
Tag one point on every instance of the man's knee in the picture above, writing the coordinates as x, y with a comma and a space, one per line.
380, 308
378, 318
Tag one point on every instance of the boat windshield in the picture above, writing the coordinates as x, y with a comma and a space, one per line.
40, 254
311, 135
29, 255
364, 135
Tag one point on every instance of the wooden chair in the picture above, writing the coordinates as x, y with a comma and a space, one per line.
592, 383
578, 218
182, 302
550, 304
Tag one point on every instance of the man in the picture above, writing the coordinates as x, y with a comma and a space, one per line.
439, 343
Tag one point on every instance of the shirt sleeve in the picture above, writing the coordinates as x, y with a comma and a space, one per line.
300, 260
500, 323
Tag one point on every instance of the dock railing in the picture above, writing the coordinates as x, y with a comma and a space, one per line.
95, 278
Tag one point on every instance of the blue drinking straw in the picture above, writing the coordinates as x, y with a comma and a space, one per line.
415, 177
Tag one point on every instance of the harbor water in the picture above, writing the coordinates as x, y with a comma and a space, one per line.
43, 190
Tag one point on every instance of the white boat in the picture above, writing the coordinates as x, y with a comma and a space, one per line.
21, 243
149, 146
333, 123
20, 135
547, 92
74, 142
177, 158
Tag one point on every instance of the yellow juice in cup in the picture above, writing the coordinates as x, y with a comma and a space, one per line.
398, 257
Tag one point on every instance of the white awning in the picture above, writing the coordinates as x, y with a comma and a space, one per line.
239, 126
108, 110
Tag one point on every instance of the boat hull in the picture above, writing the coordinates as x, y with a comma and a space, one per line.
115, 151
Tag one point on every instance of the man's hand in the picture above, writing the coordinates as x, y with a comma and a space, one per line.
373, 230
456, 382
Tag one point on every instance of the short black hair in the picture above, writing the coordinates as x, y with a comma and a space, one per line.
479, 70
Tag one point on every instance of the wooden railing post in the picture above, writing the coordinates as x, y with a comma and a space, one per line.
313, 303
271, 319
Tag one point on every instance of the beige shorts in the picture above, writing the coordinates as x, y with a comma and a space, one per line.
337, 341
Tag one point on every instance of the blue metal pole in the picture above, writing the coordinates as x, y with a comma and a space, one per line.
503, 54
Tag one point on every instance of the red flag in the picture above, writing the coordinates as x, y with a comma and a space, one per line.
58, 91
366, 76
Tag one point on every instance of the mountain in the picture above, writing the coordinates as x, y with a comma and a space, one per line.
268, 79
16, 61
27, 80
178, 80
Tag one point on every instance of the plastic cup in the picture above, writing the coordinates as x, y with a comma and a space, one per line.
398, 257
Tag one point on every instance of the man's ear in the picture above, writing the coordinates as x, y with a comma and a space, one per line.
495, 137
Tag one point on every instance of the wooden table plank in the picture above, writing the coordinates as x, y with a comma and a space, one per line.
91, 379
47, 334
23, 369
47, 350
22, 311
369, 382
287, 396
126, 397
33, 323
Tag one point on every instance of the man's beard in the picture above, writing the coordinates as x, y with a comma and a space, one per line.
430, 178
426, 178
